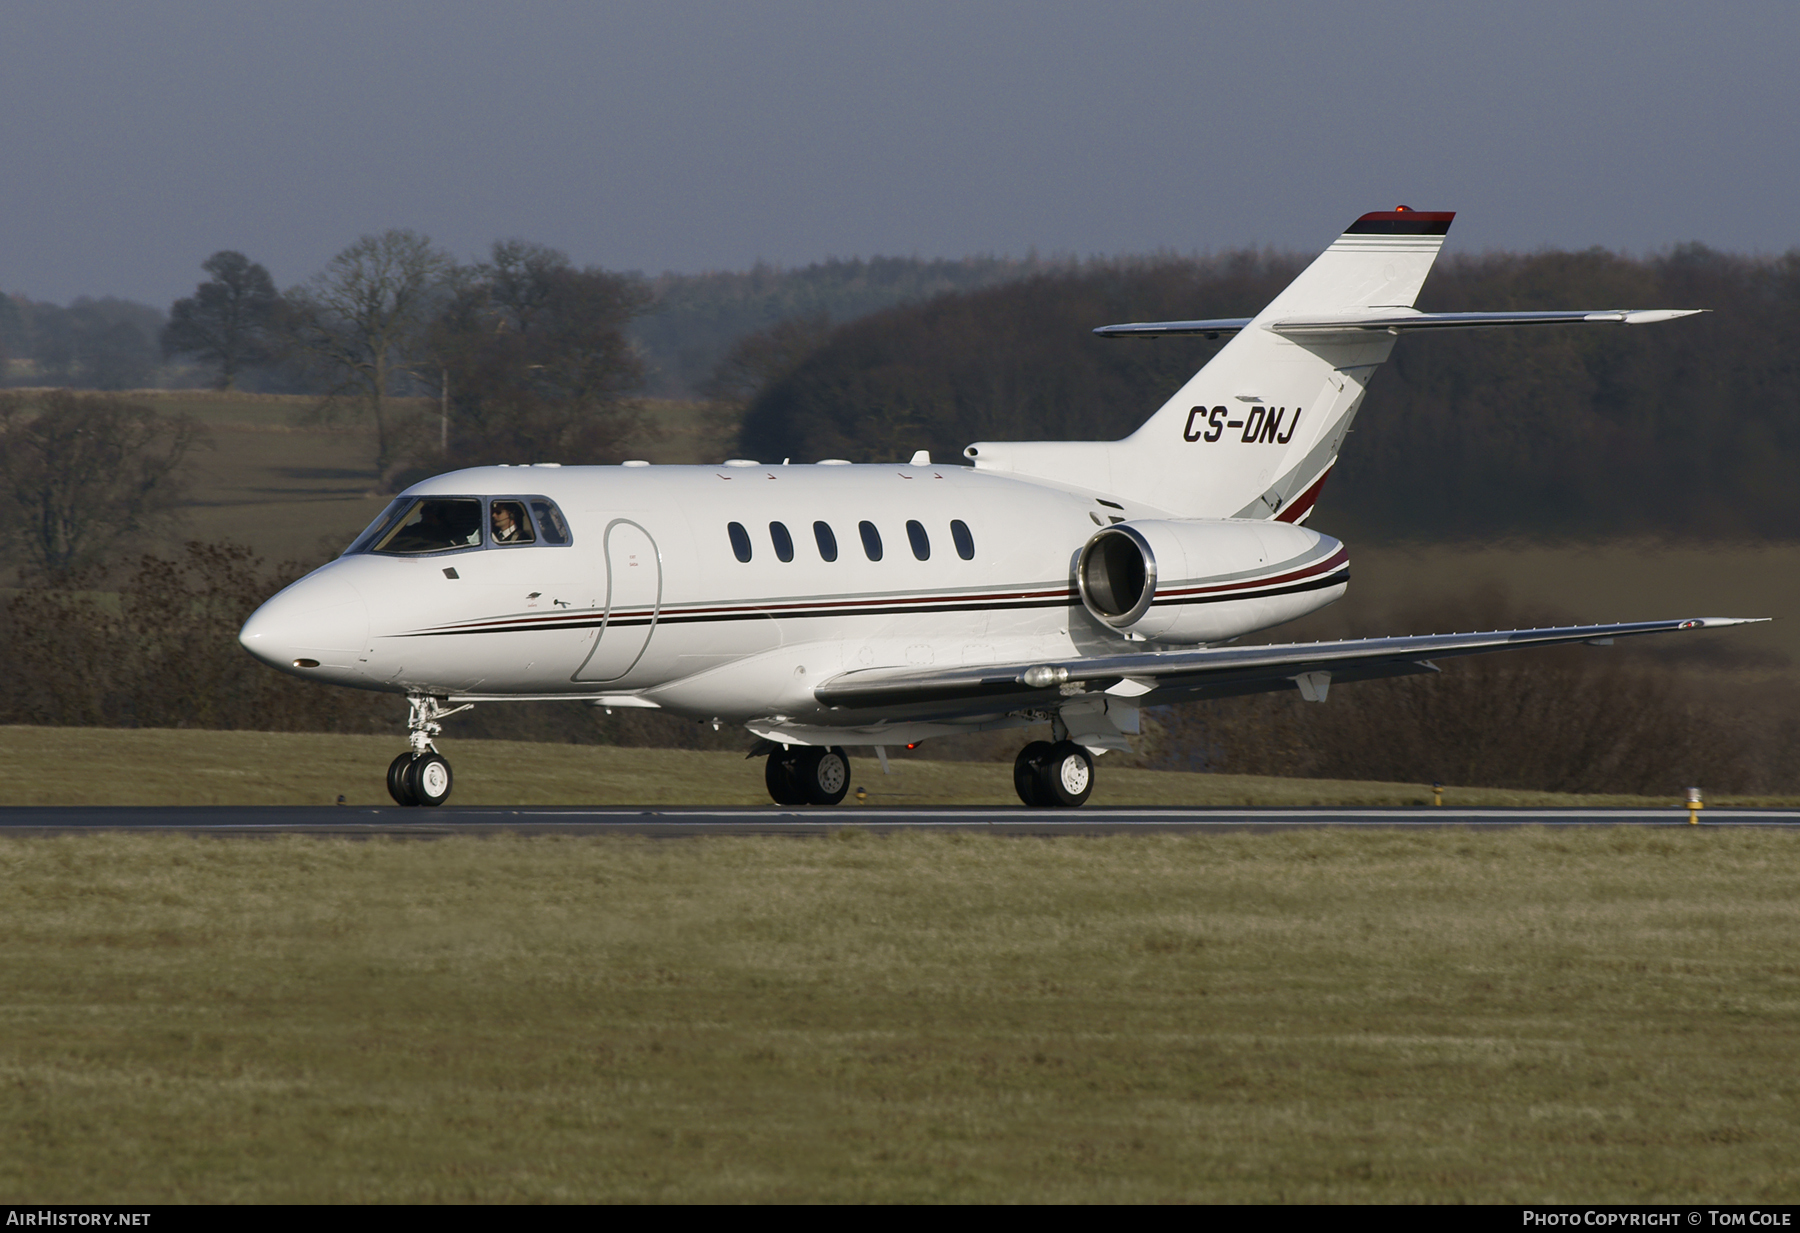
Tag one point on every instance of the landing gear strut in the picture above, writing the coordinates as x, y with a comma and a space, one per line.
421, 775
807, 775
1053, 775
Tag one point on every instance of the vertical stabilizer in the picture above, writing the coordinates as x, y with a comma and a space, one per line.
1254, 432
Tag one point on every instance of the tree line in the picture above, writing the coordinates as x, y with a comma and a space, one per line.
104, 344
688, 323
1683, 428
1687, 428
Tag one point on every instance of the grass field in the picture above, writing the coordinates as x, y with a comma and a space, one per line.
1602, 1016
108, 766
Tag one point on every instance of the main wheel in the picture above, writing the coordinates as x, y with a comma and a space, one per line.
428, 779
779, 777
1028, 774
1067, 775
822, 775
397, 780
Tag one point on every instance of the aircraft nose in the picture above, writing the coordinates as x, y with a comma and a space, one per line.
321, 623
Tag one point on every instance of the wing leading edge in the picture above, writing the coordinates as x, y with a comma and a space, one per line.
1394, 321
1159, 676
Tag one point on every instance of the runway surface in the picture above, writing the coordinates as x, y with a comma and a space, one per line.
774, 820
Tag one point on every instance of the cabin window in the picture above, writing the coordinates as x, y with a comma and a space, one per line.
550, 521
508, 524
827, 541
871, 539
965, 543
784, 543
431, 524
740, 541
921, 542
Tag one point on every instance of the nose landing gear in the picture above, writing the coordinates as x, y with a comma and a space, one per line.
1059, 775
807, 775
421, 775
419, 779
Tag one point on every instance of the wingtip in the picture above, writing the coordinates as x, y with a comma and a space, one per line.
1650, 316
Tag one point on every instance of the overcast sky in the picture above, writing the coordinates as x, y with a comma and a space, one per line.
137, 139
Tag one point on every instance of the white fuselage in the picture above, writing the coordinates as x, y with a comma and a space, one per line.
651, 605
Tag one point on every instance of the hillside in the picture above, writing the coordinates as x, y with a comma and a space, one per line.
1685, 429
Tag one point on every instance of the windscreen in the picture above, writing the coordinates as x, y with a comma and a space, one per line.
430, 524
376, 531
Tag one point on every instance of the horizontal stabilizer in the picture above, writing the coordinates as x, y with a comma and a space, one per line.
1406, 321
1217, 670
1223, 327
1396, 321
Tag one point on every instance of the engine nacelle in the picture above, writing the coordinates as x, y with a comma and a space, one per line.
1208, 581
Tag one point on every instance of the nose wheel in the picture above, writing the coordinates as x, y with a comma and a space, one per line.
807, 775
421, 775
1059, 775
419, 779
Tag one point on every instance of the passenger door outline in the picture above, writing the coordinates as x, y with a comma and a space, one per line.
613, 548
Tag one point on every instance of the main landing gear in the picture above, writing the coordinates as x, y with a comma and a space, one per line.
808, 775
1053, 775
1047, 775
421, 775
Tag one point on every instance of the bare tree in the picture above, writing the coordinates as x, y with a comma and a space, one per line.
227, 321
82, 474
537, 359
362, 316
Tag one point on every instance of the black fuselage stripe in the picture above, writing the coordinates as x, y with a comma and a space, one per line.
1314, 584
1311, 584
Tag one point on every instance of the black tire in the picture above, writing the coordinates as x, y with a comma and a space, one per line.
779, 778
397, 780
1028, 773
1066, 777
428, 779
822, 775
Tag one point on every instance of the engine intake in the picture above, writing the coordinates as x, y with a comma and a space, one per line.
1206, 581
1117, 576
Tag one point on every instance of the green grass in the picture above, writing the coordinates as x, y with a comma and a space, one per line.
107, 766
1527, 1016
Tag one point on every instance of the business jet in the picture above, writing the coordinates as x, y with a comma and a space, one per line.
830, 606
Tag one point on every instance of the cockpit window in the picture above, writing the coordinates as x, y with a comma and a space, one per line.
433, 524
507, 521
550, 521
445, 524
377, 530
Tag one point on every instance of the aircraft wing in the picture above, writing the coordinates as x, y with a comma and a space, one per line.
1396, 321
1167, 676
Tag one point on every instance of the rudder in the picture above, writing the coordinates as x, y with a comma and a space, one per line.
1255, 431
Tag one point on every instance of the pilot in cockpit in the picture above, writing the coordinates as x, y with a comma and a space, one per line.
510, 526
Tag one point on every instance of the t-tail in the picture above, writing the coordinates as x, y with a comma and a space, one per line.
1255, 432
